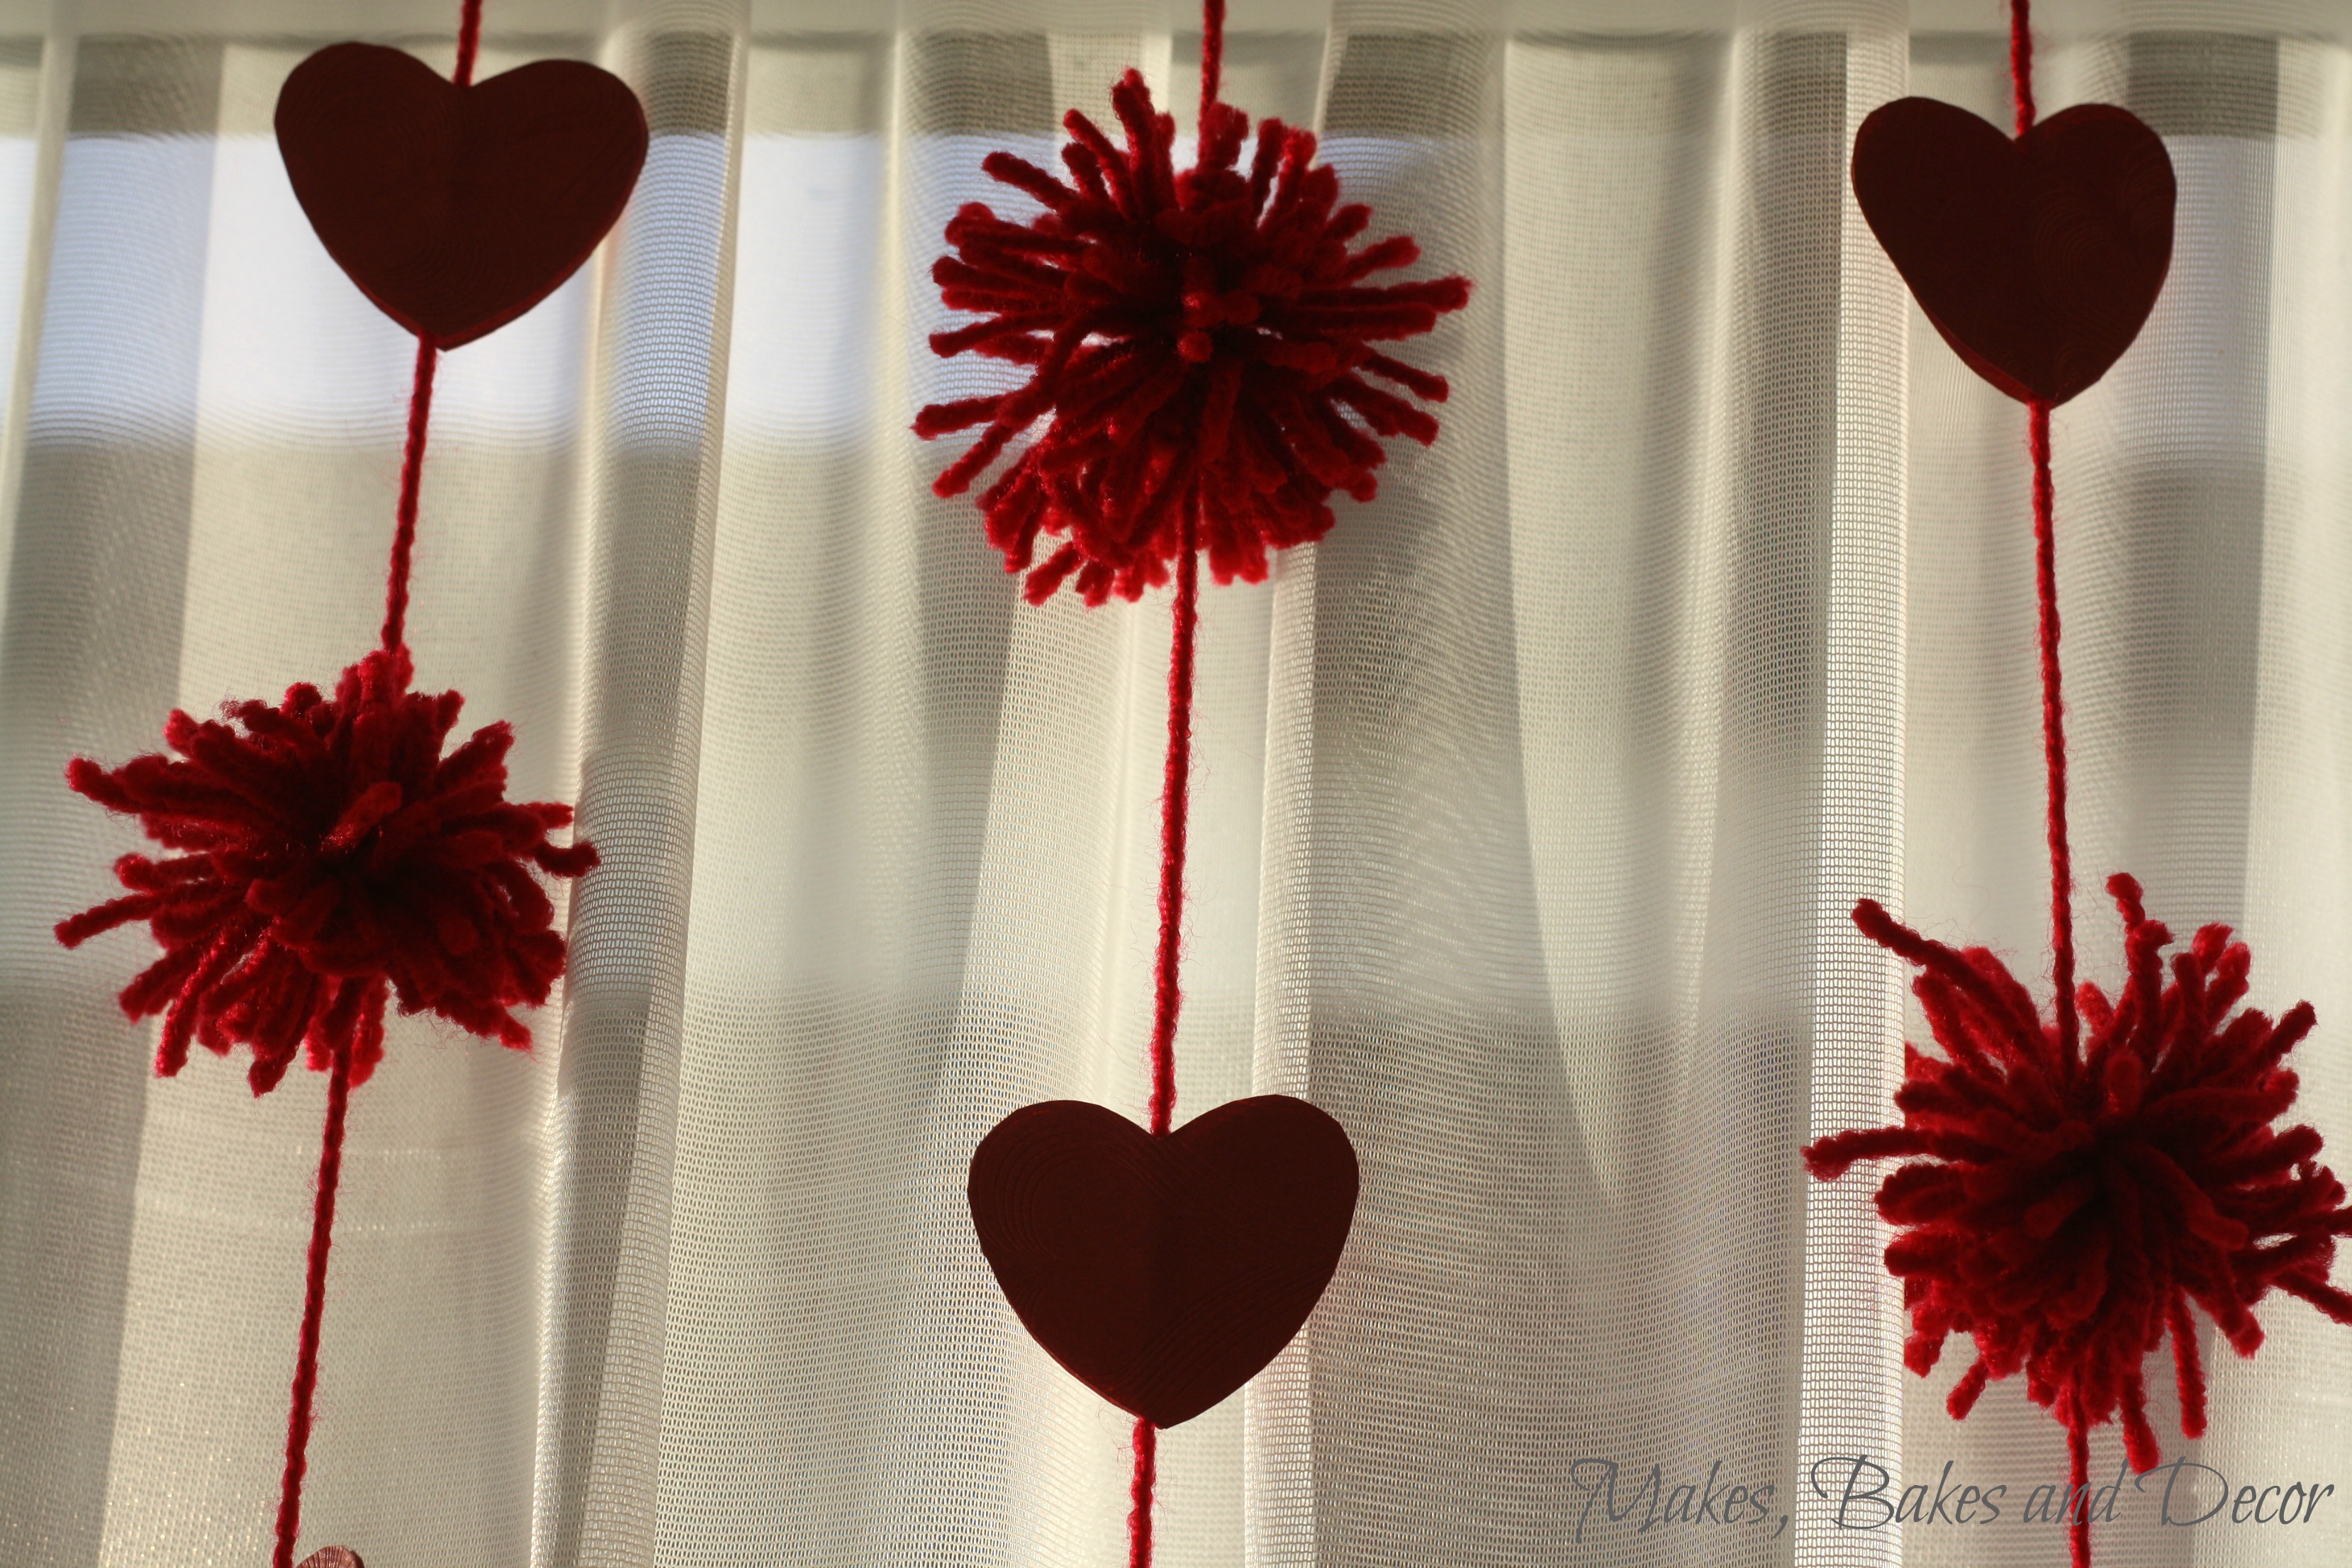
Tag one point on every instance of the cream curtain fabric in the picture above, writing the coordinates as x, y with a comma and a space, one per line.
1530, 804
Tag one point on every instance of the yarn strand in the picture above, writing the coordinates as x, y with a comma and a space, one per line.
2021, 61
2053, 735
1167, 996
314, 1307
1167, 993
338, 1076
412, 483
420, 396
469, 41
2053, 758
2078, 1492
2045, 594
1213, 58
1138, 1516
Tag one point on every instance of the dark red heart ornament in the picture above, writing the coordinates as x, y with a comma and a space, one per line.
1164, 1272
455, 209
2037, 258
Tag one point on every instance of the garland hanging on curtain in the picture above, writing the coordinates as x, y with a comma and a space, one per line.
1203, 362
2083, 1178
330, 857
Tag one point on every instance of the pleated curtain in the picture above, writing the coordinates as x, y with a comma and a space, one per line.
1530, 805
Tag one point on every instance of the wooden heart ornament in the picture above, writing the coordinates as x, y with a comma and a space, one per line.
457, 209
2037, 258
1164, 1272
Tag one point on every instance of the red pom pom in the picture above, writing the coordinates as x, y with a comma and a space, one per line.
1200, 339
334, 856
2069, 1211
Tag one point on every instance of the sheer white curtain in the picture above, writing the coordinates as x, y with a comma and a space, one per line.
1530, 804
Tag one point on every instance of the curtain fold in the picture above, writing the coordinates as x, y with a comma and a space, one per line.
657, 407
1529, 807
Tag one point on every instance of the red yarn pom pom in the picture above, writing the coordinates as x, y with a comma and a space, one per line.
2069, 1211
334, 856
1200, 339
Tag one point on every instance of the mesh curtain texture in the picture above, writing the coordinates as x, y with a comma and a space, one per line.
1529, 807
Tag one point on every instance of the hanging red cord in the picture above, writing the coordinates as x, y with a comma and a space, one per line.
2045, 592
2020, 62
420, 398
1167, 994
412, 485
1139, 1492
314, 1307
2054, 761
2054, 729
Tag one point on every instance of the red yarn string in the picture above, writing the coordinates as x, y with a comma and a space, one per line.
469, 41
314, 1308
2046, 590
2021, 61
338, 1076
1168, 998
1213, 58
1167, 994
2078, 1483
412, 481
2053, 733
1138, 1516
2053, 758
